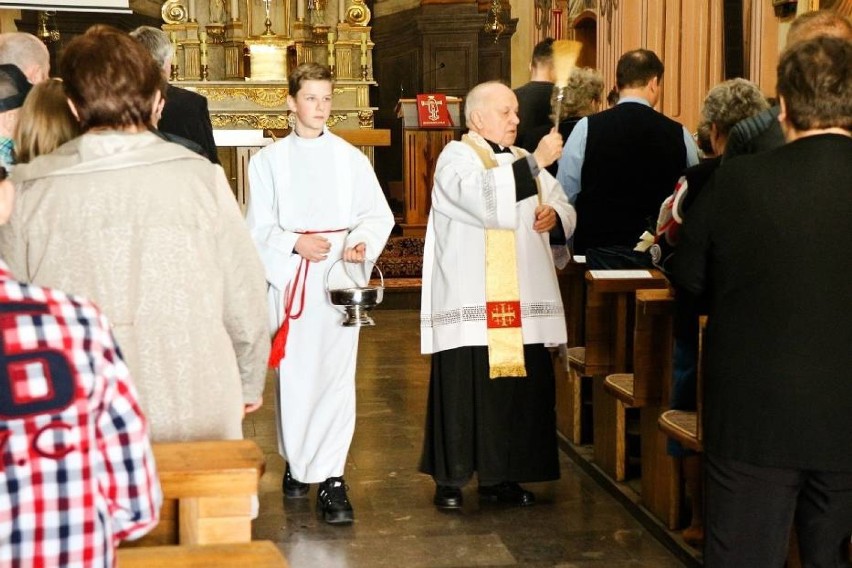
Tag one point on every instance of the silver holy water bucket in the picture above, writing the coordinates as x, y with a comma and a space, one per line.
356, 302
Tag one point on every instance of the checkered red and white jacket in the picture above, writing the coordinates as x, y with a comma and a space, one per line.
76, 470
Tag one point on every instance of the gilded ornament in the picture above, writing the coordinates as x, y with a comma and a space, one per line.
173, 12
253, 121
265, 97
365, 119
335, 119
358, 14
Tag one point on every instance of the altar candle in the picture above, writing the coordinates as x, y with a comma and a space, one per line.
341, 10
203, 37
331, 49
300, 10
235, 10
363, 50
191, 10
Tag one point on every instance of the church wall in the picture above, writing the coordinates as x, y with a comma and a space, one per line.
7, 20
685, 34
523, 41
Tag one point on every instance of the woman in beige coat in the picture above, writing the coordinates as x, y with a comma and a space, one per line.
151, 232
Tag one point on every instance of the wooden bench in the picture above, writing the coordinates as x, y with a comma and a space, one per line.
208, 489
648, 389
256, 554
570, 417
684, 425
610, 315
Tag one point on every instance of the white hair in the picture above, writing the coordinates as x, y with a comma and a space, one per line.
156, 42
477, 97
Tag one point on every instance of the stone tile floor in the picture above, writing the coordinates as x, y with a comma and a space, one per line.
574, 524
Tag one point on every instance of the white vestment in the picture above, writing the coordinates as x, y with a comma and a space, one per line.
467, 199
303, 185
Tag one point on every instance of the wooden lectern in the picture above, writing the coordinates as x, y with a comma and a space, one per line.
421, 147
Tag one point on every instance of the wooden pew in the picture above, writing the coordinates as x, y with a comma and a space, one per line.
684, 425
648, 389
569, 383
610, 313
208, 489
256, 554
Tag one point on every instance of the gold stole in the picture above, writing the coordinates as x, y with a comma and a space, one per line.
502, 293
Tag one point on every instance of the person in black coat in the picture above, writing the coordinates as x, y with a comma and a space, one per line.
534, 98
768, 239
185, 113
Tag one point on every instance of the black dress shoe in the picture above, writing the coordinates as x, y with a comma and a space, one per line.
447, 497
507, 492
293, 489
333, 502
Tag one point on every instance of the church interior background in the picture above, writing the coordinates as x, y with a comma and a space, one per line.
238, 54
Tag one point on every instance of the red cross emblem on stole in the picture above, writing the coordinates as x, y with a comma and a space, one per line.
503, 314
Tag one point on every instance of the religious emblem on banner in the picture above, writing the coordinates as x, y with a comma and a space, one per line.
432, 111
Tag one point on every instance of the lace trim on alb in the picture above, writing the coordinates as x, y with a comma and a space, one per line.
477, 313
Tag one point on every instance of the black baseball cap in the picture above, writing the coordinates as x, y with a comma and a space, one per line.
14, 87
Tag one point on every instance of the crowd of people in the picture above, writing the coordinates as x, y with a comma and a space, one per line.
137, 311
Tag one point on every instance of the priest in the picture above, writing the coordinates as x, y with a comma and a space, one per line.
491, 305
315, 201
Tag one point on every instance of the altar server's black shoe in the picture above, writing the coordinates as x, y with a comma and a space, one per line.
507, 492
333, 502
293, 489
447, 497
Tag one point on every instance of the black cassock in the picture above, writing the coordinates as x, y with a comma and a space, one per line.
504, 429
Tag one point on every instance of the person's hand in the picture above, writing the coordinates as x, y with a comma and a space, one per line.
356, 253
251, 407
313, 247
549, 148
545, 218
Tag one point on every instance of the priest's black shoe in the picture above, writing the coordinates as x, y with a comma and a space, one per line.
292, 488
447, 497
507, 492
333, 502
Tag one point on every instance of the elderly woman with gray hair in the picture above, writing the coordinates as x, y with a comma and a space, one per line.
724, 106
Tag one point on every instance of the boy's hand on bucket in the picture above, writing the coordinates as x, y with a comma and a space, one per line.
355, 254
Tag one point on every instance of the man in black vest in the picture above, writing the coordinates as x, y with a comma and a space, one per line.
768, 238
185, 113
620, 164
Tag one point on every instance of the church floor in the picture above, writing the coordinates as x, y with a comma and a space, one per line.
575, 523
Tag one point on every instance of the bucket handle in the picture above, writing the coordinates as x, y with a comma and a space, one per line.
375, 266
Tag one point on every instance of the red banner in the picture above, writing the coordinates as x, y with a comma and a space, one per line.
432, 111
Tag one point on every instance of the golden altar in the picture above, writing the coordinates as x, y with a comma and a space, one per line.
238, 54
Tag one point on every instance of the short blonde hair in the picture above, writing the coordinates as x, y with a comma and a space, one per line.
45, 122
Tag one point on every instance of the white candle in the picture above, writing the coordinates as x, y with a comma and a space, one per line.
203, 37
235, 10
191, 10
363, 50
331, 49
300, 10
341, 10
